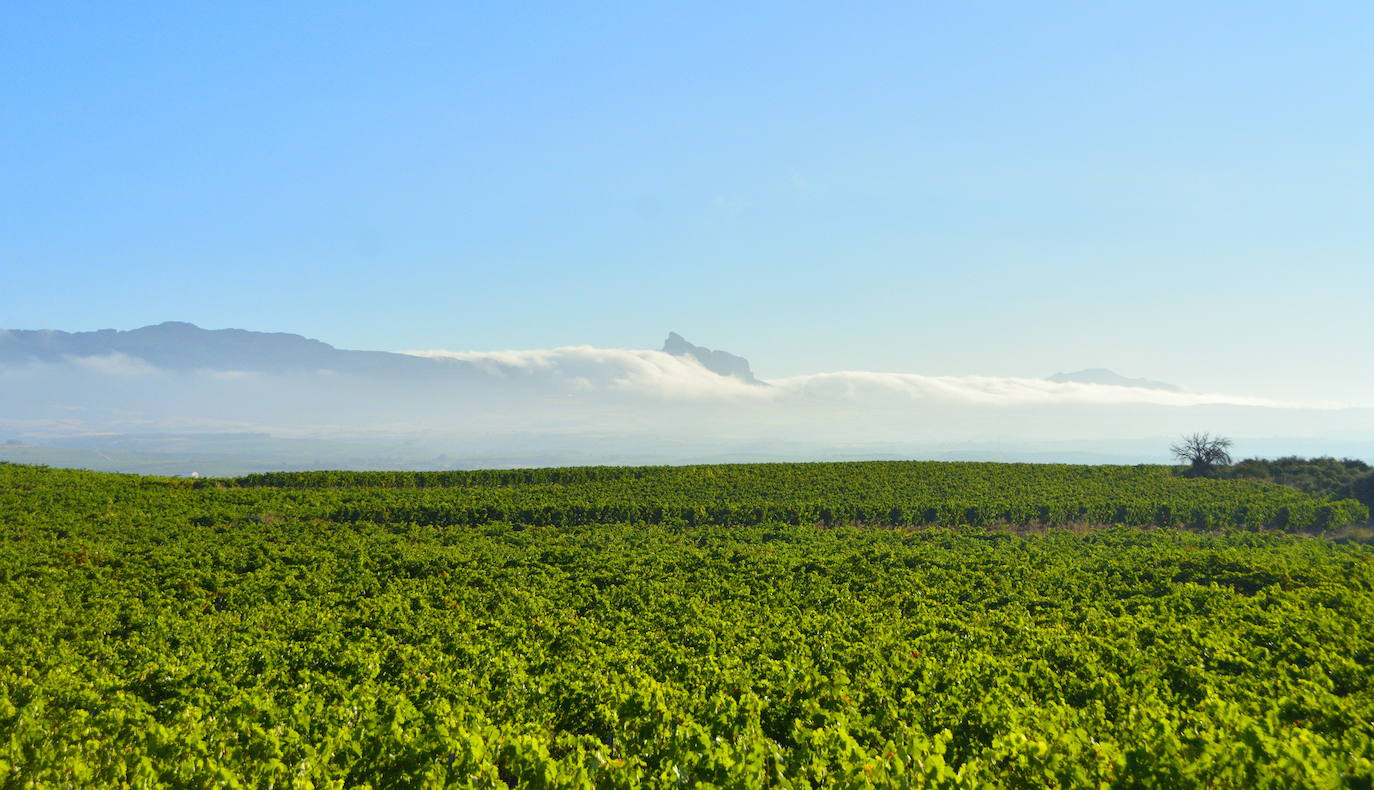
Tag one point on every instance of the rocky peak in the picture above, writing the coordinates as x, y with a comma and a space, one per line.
720, 362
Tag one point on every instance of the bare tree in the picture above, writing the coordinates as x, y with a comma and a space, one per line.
1202, 452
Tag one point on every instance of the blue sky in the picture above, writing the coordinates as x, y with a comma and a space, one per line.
1175, 190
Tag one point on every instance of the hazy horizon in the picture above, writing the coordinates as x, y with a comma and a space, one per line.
131, 391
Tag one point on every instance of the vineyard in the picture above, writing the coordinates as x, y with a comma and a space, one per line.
873, 493
788, 625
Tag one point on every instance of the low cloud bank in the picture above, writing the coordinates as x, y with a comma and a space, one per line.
621, 370
656, 374
648, 399
996, 391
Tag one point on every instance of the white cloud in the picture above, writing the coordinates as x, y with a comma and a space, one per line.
582, 390
623, 370
657, 374
115, 365
994, 391
232, 375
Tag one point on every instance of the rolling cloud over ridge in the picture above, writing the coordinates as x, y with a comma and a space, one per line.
657, 374
582, 402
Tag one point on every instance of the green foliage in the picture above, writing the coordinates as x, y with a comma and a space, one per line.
158, 634
1346, 478
873, 493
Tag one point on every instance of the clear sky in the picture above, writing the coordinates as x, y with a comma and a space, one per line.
1183, 191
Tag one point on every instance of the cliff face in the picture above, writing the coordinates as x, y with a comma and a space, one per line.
720, 362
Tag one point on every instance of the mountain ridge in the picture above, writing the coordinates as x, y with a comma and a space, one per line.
183, 346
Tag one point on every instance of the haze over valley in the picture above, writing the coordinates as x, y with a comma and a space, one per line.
176, 398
